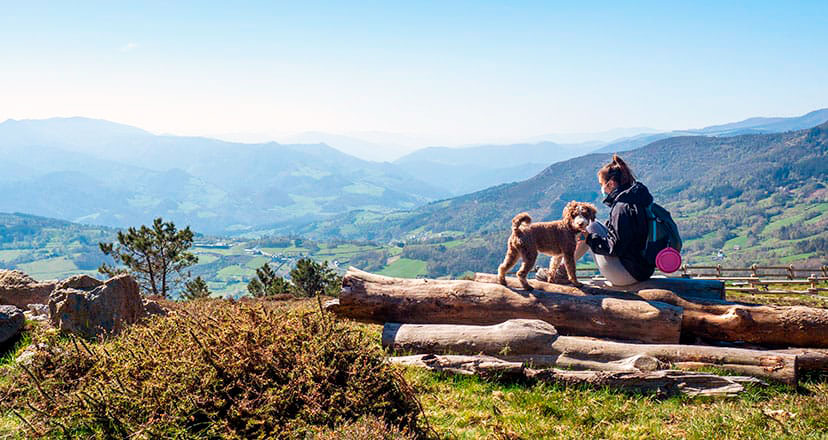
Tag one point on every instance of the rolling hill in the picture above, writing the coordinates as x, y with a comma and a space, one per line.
116, 175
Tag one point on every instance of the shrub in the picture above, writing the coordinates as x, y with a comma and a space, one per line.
213, 369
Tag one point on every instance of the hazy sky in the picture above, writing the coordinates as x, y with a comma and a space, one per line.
457, 71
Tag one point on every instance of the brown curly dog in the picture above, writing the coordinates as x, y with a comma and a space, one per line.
557, 239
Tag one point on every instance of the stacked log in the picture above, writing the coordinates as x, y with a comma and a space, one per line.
488, 327
379, 299
783, 326
538, 343
666, 382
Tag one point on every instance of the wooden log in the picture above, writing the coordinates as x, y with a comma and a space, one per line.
683, 287
538, 343
783, 326
808, 359
663, 382
379, 299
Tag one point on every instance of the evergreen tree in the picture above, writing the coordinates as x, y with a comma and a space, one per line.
312, 278
155, 256
195, 289
267, 283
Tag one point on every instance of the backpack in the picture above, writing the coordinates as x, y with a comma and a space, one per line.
661, 232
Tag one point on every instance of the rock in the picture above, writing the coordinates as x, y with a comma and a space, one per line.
37, 312
153, 308
19, 289
88, 307
11, 321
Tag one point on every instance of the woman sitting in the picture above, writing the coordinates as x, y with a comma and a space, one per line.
618, 245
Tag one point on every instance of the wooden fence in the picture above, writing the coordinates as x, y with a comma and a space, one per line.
759, 279
753, 279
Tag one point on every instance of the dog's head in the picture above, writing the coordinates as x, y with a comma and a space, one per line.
577, 215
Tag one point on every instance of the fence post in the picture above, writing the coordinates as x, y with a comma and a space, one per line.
791, 274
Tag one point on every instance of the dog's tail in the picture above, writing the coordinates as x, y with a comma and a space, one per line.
520, 219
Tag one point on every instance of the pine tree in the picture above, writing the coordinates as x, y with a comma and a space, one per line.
195, 289
312, 278
267, 283
156, 256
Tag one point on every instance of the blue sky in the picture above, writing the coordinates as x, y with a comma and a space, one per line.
459, 72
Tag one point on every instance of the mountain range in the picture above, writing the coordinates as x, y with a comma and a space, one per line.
768, 193
111, 174
115, 175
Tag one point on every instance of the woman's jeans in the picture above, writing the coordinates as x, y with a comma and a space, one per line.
609, 266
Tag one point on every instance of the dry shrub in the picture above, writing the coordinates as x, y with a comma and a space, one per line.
214, 369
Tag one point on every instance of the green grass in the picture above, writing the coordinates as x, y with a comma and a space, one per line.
51, 268
206, 258
230, 273
405, 268
7, 255
257, 262
469, 408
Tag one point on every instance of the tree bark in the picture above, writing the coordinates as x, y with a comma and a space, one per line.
379, 299
683, 287
538, 343
663, 382
782, 326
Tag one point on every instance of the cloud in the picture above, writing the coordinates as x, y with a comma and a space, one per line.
128, 47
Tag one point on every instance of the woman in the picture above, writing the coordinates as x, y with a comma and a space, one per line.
618, 246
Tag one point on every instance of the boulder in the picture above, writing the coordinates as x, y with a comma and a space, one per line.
88, 307
11, 321
19, 289
151, 307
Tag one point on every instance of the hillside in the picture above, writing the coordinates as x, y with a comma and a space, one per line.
115, 175
748, 126
765, 194
468, 169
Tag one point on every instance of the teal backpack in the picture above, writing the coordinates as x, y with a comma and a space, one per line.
661, 232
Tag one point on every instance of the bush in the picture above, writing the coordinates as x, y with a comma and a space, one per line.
213, 369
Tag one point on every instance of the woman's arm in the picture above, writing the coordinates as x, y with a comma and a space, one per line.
620, 229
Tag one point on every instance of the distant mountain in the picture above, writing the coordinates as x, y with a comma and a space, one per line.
748, 126
117, 175
468, 169
748, 188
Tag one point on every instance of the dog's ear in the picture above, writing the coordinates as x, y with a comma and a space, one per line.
568, 213
592, 210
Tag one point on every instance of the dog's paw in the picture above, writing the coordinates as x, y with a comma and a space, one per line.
501, 281
576, 284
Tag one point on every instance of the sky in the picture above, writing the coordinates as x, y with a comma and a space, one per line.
442, 72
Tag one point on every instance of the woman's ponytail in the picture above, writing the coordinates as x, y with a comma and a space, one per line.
617, 170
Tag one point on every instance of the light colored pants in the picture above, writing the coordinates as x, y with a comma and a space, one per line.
609, 266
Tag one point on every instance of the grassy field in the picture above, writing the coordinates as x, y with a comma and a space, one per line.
405, 268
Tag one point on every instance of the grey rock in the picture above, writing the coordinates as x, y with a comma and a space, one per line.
11, 321
88, 307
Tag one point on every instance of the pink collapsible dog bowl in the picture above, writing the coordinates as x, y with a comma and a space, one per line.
668, 260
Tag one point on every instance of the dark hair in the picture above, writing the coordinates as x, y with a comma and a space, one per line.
618, 171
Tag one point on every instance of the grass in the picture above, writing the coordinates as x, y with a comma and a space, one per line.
405, 268
469, 408
51, 268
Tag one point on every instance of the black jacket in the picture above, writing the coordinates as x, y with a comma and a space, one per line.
627, 227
